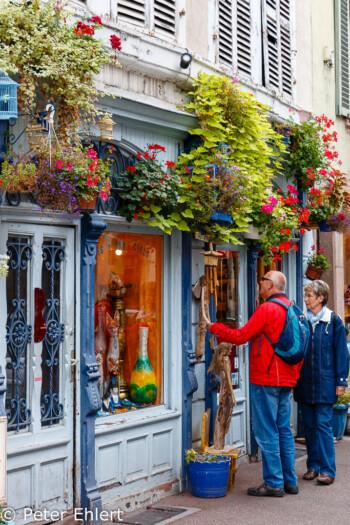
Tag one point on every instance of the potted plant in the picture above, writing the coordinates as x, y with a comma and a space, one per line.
56, 56
58, 182
317, 263
208, 474
150, 192
340, 414
229, 169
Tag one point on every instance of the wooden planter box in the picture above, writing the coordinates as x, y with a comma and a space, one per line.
313, 273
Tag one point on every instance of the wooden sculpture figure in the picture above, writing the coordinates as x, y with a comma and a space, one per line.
221, 366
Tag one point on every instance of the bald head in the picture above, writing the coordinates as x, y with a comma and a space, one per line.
272, 282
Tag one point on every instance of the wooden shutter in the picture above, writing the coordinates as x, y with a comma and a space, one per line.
131, 11
244, 60
225, 32
235, 35
164, 13
286, 55
342, 57
277, 58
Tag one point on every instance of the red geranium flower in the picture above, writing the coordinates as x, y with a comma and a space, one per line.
116, 42
96, 20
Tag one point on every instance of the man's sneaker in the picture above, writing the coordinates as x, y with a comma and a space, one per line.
291, 489
265, 490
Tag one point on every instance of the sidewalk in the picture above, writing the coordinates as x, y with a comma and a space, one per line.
315, 504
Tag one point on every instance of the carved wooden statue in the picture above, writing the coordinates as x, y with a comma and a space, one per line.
221, 366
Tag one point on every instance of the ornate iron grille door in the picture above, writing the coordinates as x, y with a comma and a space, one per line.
39, 296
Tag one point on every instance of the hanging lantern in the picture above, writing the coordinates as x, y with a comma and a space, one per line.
210, 262
106, 128
8, 97
35, 135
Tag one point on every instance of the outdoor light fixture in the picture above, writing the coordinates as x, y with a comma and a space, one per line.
106, 128
186, 59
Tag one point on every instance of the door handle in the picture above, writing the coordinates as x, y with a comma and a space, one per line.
73, 363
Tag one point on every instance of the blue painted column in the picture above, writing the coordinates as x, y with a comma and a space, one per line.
92, 227
189, 380
252, 297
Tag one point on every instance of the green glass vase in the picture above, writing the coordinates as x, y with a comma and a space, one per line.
143, 381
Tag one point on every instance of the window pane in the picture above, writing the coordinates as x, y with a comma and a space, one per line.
18, 333
128, 320
51, 408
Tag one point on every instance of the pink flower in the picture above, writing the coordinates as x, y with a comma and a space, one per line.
103, 195
69, 166
235, 80
313, 247
267, 208
273, 201
91, 153
59, 164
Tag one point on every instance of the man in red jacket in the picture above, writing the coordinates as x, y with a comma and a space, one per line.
271, 383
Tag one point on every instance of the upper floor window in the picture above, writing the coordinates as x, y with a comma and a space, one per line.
342, 17
277, 67
157, 15
235, 35
241, 29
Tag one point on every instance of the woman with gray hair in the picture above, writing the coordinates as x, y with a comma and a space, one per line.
323, 377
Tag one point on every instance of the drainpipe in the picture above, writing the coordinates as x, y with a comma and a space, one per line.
91, 503
189, 380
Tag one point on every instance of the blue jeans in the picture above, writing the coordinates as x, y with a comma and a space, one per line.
317, 422
271, 424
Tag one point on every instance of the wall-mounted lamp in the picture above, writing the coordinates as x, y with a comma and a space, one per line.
106, 128
186, 59
328, 56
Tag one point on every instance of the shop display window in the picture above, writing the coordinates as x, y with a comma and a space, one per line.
227, 303
128, 320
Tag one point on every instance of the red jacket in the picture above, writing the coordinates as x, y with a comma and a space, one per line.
270, 318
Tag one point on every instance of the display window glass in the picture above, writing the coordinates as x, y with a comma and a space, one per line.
128, 320
227, 302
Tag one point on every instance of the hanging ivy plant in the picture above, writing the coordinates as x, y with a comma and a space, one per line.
54, 56
236, 136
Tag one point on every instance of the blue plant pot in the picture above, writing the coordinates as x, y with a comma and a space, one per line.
209, 480
340, 415
223, 217
324, 226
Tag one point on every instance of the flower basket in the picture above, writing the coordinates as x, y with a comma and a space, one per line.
313, 273
87, 205
311, 226
209, 478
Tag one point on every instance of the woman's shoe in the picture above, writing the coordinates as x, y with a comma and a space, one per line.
310, 474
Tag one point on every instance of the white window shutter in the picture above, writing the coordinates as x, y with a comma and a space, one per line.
277, 46
244, 35
131, 11
235, 35
286, 55
225, 32
164, 16
342, 57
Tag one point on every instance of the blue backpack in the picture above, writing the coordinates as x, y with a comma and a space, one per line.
292, 344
